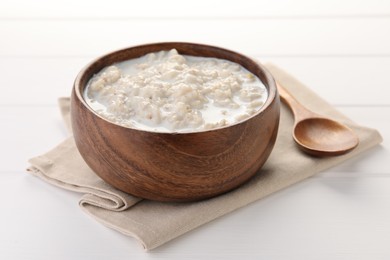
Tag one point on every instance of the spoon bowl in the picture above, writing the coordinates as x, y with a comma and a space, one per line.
322, 136
316, 134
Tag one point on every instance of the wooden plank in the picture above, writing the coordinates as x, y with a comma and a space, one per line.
38, 81
183, 9
342, 37
315, 219
27, 132
339, 80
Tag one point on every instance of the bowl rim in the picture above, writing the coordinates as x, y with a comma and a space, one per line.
268, 78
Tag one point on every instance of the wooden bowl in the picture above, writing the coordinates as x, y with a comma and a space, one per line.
174, 166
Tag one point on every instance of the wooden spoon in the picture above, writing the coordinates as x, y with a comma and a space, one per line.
315, 134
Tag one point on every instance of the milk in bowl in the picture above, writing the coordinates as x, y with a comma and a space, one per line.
168, 92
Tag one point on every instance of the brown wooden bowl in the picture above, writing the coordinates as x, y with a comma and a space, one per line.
174, 166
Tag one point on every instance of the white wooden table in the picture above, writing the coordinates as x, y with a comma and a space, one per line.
341, 49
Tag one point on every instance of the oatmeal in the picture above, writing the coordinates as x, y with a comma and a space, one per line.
168, 92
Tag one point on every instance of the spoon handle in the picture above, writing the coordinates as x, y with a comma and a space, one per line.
300, 112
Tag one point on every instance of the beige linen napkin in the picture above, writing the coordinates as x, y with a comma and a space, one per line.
155, 223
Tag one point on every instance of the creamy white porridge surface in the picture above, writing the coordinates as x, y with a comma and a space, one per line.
168, 92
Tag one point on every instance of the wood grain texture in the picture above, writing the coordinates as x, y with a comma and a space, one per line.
281, 37
174, 166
